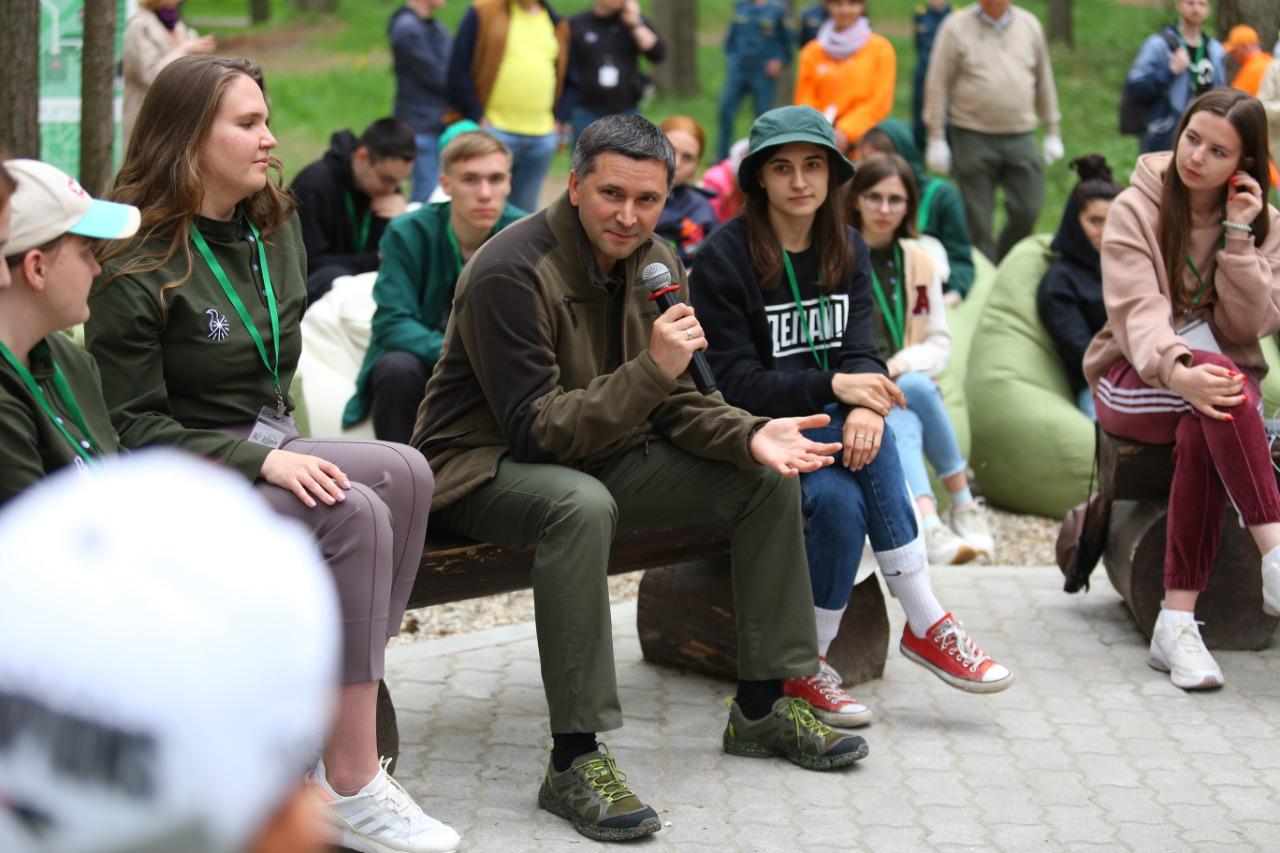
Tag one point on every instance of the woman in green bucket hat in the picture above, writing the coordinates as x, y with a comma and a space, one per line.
784, 293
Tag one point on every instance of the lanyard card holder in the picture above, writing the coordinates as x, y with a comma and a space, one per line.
269, 430
1199, 336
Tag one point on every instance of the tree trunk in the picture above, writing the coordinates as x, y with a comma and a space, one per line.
677, 23
1060, 28
259, 11
97, 91
20, 78
1262, 15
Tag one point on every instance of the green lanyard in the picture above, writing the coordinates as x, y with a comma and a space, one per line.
359, 233
925, 200
86, 448
895, 319
822, 357
234, 299
1204, 285
453, 243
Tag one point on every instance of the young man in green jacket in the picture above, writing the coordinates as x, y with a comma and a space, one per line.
422, 256
562, 409
51, 408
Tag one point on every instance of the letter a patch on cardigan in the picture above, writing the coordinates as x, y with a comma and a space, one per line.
219, 328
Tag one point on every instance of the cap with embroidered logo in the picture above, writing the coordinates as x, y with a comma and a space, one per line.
49, 203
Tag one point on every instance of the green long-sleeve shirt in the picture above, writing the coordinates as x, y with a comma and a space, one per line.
413, 293
31, 446
177, 364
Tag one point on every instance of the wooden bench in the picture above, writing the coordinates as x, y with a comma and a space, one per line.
1136, 478
684, 615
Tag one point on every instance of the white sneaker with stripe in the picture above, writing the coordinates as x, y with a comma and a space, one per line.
381, 818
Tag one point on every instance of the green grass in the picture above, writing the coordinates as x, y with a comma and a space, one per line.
326, 73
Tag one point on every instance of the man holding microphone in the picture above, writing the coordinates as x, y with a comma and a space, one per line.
561, 409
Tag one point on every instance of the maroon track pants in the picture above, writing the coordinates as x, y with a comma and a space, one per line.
1213, 460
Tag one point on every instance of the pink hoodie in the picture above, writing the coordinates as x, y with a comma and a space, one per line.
1243, 302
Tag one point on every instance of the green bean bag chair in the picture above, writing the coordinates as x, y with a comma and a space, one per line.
1032, 449
1271, 382
962, 320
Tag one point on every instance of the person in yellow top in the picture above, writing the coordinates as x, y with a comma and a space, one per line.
847, 72
507, 72
1243, 46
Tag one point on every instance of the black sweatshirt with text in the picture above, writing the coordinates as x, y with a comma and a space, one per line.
759, 350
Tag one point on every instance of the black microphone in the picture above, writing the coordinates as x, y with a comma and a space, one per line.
658, 279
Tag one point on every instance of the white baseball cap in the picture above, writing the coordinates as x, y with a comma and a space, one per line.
49, 203
168, 659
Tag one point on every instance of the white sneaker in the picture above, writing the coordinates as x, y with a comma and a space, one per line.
381, 818
1271, 587
970, 523
1176, 648
945, 548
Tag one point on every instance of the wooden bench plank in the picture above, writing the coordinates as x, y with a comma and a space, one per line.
455, 569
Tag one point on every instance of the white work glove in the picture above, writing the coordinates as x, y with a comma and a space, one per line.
937, 156
1053, 150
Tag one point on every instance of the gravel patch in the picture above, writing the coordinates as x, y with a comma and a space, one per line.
1021, 540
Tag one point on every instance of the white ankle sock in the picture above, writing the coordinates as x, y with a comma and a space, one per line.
828, 625
931, 521
1176, 617
915, 594
906, 573
1272, 556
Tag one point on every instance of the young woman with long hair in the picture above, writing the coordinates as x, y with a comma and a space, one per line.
784, 294
909, 325
195, 325
1191, 281
1069, 298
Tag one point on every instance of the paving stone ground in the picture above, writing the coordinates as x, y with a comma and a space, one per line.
1090, 750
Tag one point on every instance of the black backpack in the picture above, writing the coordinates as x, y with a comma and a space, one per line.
1134, 111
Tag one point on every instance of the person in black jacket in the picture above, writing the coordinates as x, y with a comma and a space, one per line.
1069, 299
347, 197
605, 45
784, 294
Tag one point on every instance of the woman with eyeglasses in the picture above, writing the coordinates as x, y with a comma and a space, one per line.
783, 292
909, 323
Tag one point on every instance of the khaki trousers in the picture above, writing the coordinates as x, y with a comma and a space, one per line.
569, 518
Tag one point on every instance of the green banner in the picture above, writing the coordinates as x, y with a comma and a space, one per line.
61, 48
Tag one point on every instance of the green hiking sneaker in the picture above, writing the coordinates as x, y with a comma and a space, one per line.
592, 794
792, 731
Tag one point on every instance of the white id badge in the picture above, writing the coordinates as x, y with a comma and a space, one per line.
1199, 336
268, 430
609, 76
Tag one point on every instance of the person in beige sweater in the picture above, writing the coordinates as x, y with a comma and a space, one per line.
1191, 281
990, 78
154, 36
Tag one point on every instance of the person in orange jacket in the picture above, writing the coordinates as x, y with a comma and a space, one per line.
847, 72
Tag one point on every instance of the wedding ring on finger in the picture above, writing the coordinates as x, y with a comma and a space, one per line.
688, 333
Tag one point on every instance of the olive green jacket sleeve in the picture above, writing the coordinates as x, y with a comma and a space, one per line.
124, 335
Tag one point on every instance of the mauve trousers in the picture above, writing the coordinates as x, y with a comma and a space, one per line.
1213, 460
372, 542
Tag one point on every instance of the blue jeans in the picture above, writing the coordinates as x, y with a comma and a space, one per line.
582, 117
530, 158
737, 85
923, 431
426, 167
842, 507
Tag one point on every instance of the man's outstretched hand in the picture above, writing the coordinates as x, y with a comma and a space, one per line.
781, 445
